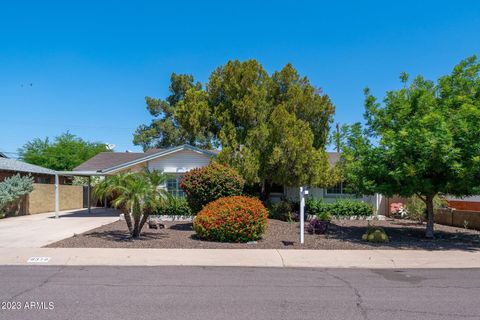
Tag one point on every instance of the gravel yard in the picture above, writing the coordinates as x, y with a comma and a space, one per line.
343, 234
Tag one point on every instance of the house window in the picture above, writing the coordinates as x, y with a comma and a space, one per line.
335, 190
173, 185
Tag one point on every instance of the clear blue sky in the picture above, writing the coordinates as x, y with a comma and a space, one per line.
91, 65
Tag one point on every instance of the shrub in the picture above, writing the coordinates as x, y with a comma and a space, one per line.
343, 207
417, 210
317, 226
174, 206
232, 219
375, 234
210, 183
284, 210
11, 189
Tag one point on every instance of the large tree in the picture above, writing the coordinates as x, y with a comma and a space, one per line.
423, 140
273, 128
65, 153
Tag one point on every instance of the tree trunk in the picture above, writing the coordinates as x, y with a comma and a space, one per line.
429, 203
145, 216
265, 192
128, 219
136, 228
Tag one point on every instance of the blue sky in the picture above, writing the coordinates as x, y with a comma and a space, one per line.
90, 65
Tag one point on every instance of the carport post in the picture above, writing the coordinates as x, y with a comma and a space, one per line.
57, 198
105, 200
88, 193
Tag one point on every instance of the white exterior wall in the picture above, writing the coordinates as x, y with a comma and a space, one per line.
293, 193
180, 161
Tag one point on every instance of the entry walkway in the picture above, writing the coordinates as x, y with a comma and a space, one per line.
38, 230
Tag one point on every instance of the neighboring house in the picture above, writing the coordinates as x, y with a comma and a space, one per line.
10, 167
178, 160
42, 198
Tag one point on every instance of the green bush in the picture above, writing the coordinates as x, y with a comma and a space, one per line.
342, 207
174, 206
283, 210
204, 185
416, 208
232, 219
11, 189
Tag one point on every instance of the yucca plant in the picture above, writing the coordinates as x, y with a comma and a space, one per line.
136, 194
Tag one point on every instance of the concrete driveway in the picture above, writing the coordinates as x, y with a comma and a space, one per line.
38, 230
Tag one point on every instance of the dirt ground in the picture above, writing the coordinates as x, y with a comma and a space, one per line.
342, 234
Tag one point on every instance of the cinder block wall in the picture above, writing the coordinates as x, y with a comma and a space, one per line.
458, 217
42, 198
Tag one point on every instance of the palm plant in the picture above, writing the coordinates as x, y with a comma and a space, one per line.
136, 194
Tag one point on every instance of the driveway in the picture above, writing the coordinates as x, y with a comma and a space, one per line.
38, 230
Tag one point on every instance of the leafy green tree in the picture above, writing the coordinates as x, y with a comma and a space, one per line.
422, 141
166, 129
136, 194
65, 153
273, 129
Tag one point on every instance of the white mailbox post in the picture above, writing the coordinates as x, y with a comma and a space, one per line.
303, 192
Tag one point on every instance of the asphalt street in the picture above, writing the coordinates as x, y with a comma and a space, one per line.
134, 293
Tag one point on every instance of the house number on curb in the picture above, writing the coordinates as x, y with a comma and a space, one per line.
38, 259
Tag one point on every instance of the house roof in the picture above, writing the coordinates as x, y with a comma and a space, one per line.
113, 161
105, 160
3, 155
20, 166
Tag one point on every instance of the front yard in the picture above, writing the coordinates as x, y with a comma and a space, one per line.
342, 234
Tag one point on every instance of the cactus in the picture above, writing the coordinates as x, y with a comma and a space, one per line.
375, 234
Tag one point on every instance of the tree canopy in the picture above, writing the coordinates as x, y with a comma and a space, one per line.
423, 140
66, 152
273, 128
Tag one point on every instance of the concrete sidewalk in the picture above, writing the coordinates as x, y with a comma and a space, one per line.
244, 257
38, 230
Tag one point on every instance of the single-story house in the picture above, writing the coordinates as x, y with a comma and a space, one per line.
178, 160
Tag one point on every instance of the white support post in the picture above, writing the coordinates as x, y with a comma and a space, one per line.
302, 215
57, 196
88, 194
105, 199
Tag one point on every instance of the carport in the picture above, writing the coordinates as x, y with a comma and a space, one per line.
88, 174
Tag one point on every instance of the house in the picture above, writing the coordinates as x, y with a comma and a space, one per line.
42, 198
11, 167
3, 155
178, 160
174, 161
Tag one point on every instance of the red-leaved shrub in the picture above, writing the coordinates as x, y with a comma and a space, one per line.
204, 185
232, 219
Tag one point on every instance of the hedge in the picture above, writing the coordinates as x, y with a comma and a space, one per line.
232, 219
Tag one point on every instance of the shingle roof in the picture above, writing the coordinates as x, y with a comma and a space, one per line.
105, 160
16, 165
